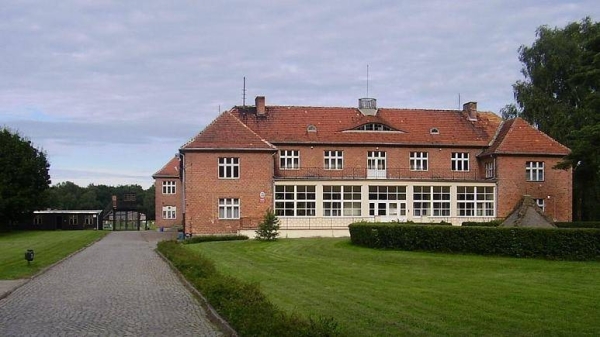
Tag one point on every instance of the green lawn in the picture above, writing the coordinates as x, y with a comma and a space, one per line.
394, 293
49, 247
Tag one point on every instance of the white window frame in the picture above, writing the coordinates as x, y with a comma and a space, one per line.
419, 161
460, 161
73, 220
169, 212
333, 159
475, 201
169, 187
289, 159
387, 201
229, 208
88, 220
376, 164
37, 220
489, 170
342, 200
534, 171
295, 200
431, 201
229, 168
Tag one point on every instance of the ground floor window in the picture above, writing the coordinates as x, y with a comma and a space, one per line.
387, 201
169, 212
229, 208
295, 200
475, 200
37, 220
342, 201
88, 220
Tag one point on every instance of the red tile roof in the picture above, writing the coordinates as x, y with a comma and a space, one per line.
227, 132
516, 136
170, 170
288, 124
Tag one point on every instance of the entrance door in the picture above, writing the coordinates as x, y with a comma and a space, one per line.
388, 211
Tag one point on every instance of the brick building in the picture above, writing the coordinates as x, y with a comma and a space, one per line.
321, 168
168, 201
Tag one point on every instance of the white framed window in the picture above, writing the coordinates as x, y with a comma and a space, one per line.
541, 204
37, 220
431, 200
333, 160
341, 200
292, 200
418, 161
475, 201
489, 169
229, 208
229, 168
88, 220
387, 201
534, 171
376, 164
169, 212
73, 220
168, 187
460, 161
289, 159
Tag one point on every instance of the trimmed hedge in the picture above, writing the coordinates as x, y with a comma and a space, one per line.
209, 238
578, 224
242, 304
553, 243
493, 223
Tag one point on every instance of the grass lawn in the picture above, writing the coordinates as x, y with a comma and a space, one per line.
49, 247
394, 293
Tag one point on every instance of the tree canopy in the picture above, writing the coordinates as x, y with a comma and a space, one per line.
23, 177
560, 96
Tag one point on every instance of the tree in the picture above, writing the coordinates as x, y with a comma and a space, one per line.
560, 96
268, 229
23, 177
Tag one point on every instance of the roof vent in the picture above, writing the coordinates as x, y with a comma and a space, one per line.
434, 131
367, 106
311, 128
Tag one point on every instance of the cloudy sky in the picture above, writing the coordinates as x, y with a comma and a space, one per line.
111, 89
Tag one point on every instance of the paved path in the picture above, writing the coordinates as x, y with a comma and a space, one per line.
117, 287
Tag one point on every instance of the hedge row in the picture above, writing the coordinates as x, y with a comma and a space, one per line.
242, 304
576, 224
209, 238
556, 243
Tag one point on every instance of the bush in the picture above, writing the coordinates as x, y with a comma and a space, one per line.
209, 238
268, 229
578, 224
552, 243
493, 223
242, 304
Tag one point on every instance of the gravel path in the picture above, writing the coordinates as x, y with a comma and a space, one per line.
117, 287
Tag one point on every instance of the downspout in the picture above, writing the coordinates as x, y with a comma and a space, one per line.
182, 170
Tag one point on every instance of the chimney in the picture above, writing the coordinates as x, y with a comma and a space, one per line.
260, 106
471, 109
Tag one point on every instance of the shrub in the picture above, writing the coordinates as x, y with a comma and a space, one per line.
209, 238
242, 304
268, 229
552, 243
578, 224
493, 223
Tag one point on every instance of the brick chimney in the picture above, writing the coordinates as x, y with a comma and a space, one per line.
471, 109
260, 105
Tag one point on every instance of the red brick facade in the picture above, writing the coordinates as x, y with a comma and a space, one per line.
168, 195
443, 165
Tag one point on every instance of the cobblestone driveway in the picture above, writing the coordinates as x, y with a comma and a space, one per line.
117, 287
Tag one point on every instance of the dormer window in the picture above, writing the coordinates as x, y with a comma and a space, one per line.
311, 128
374, 127
434, 131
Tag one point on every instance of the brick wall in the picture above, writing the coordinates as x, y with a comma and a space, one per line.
204, 189
168, 200
556, 188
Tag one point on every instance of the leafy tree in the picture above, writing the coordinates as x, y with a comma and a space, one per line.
268, 229
560, 96
23, 177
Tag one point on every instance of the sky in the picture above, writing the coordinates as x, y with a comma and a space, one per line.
110, 90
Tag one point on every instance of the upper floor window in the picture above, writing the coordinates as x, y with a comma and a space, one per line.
229, 168
169, 212
418, 161
460, 161
374, 127
334, 160
229, 208
168, 187
489, 169
289, 159
534, 171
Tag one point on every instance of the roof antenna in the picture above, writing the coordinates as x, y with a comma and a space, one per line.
367, 80
244, 93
